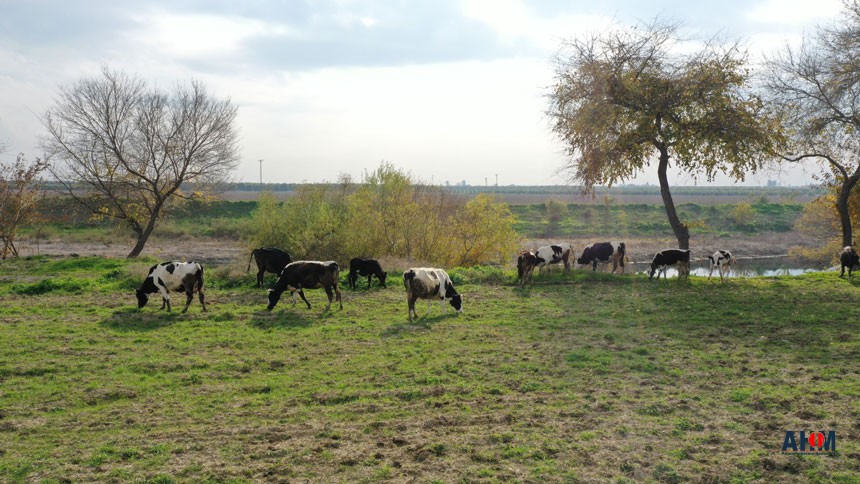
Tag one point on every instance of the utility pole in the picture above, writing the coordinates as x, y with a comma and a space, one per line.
497, 180
261, 173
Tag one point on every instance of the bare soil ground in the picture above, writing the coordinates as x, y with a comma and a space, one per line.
221, 251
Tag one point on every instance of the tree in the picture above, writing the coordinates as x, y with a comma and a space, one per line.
20, 191
818, 88
620, 98
126, 150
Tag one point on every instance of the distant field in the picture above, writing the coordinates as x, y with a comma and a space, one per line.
523, 195
582, 378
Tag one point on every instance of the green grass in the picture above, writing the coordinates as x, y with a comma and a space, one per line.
650, 219
585, 376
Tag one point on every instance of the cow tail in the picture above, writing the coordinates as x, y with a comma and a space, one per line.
250, 259
622, 251
200, 280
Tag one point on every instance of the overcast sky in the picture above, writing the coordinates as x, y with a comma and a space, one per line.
449, 90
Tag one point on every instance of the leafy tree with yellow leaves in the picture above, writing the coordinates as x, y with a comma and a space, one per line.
627, 98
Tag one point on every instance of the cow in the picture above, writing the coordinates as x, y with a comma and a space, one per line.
722, 260
306, 274
669, 257
849, 259
603, 253
365, 267
269, 259
172, 276
526, 263
553, 254
430, 283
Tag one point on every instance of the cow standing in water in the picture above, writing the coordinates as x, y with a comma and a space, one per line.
430, 284
553, 254
603, 253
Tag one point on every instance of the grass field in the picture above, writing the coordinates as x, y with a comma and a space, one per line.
583, 377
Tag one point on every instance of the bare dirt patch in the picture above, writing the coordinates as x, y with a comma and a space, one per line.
223, 251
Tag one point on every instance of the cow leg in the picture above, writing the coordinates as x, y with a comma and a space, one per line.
202, 301
337, 292
260, 278
444, 306
330, 295
189, 296
410, 301
429, 301
302, 294
165, 297
369, 277
712, 271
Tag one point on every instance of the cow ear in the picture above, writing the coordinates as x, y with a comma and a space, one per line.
269, 290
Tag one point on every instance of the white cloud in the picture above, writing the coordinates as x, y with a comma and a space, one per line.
185, 36
793, 12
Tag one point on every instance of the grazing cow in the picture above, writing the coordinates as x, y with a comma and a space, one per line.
305, 274
669, 257
603, 253
553, 254
722, 260
269, 259
849, 259
526, 263
365, 267
429, 283
172, 276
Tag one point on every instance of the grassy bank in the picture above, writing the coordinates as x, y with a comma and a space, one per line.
582, 377
225, 219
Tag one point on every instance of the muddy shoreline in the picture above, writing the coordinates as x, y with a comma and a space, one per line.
224, 251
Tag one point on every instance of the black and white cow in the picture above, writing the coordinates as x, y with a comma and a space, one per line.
722, 260
306, 274
172, 276
430, 283
670, 257
603, 253
365, 267
849, 259
526, 263
269, 259
553, 254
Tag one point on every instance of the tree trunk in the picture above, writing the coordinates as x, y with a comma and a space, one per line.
143, 236
848, 184
681, 231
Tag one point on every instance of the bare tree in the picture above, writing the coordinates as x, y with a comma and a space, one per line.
20, 192
126, 150
818, 88
627, 98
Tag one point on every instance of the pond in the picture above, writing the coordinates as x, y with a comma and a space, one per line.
745, 267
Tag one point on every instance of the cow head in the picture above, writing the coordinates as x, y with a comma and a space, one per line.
653, 270
454, 299
274, 297
382, 278
586, 257
456, 302
142, 298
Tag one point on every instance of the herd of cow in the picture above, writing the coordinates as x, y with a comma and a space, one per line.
422, 282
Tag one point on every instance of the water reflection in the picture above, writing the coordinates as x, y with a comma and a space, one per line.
746, 267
